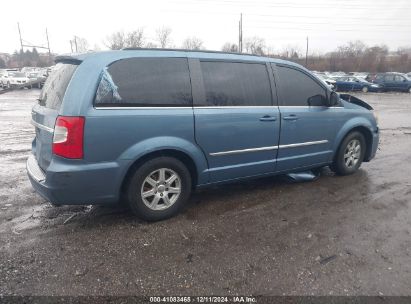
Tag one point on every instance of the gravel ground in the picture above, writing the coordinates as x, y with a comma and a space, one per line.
331, 236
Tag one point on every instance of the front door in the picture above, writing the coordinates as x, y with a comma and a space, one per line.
236, 124
308, 127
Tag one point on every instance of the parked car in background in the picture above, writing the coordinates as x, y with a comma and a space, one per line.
330, 82
37, 78
5, 78
149, 126
393, 82
351, 83
371, 77
19, 79
409, 75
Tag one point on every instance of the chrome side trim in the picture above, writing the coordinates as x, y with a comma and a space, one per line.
244, 151
307, 143
43, 127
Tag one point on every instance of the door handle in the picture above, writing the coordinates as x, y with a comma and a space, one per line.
290, 117
268, 118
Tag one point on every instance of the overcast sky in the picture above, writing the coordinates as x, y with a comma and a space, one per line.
282, 23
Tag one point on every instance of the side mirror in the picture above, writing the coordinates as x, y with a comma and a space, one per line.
333, 99
317, 100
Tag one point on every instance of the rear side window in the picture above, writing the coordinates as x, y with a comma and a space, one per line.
235, 84
299, 89
145, 82
389, 77
56, 85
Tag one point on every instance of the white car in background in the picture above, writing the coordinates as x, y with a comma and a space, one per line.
5, 77
14, 79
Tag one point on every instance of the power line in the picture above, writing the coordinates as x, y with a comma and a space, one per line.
295, 5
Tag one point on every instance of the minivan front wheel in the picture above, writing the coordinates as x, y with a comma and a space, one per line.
159, 188
350, 154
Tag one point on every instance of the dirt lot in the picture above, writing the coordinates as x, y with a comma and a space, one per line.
332, 236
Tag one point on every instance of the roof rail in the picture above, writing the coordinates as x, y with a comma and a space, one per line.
186, 50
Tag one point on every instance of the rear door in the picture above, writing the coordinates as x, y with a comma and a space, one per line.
389, 82
45, 112
400, 83
308, 127
236, 121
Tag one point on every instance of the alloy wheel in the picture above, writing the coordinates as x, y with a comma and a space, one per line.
352, 153
161, 189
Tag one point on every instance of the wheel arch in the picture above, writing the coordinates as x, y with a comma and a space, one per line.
185, 151
365, 130
181, 156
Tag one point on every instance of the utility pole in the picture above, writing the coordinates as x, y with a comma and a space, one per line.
21, 40
240, 34
75, 43
21, 46
306, 55
71, 45
48, 42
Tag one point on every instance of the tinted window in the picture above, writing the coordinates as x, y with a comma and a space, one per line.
299, 89
399, 78
389, 77
56, 84
236, 84
145, 82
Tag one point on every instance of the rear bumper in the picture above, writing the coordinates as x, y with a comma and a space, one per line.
65, 183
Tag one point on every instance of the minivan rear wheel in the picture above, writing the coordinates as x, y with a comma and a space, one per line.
350, 154
159, 188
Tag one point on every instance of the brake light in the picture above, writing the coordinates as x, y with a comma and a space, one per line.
68, 137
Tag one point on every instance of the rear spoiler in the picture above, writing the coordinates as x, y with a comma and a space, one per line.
352, 99
68, 59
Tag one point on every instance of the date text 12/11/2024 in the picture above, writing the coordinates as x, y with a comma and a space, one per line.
203, 299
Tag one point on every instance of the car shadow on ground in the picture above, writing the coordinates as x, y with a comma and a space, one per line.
203, 203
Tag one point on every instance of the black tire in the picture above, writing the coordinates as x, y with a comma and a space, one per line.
409, 90
135, 187
340, 165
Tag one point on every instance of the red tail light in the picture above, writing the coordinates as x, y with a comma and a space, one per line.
68, 136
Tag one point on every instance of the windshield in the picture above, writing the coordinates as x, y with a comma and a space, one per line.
19, 75
56, 84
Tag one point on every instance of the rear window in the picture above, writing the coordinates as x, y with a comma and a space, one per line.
56, 84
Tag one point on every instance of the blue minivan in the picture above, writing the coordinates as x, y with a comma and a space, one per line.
147, 126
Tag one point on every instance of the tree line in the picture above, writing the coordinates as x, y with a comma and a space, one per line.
354, 56
30, 58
